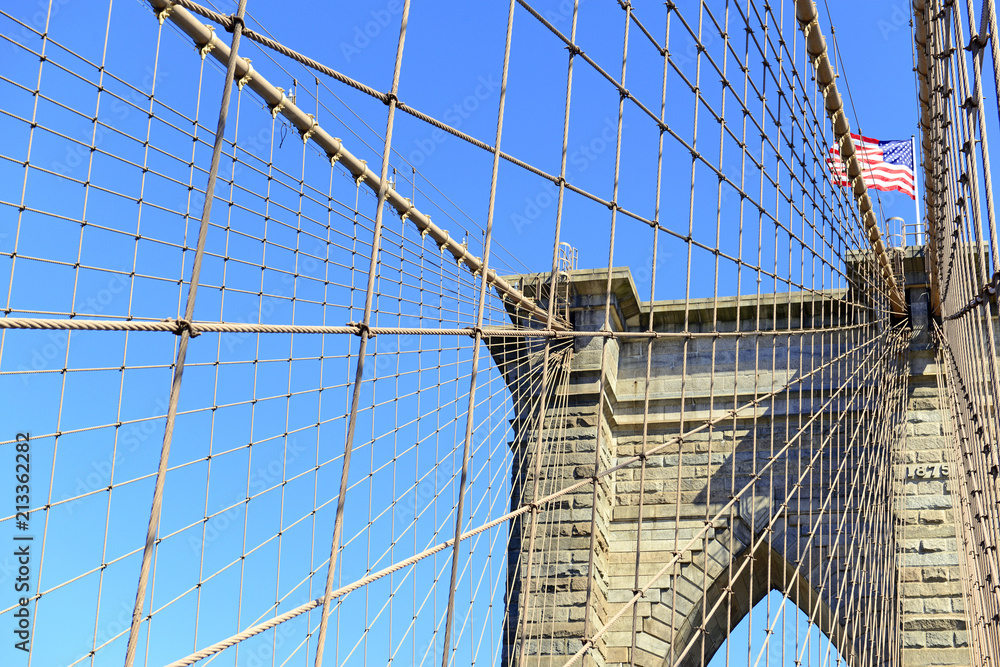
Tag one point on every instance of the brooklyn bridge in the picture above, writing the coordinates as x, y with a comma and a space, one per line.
538, 332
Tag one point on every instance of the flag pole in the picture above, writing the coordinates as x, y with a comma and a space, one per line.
916, 189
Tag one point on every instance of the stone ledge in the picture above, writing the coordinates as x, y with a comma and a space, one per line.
935, 656
935, 622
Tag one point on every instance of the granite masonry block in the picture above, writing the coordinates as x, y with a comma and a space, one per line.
934, 625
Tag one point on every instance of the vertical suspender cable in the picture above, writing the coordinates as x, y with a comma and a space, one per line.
525, 593
470, 417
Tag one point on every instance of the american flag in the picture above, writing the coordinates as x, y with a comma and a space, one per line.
887, 165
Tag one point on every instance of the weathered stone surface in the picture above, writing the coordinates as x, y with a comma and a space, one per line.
929, 551
942, 622
690, 558
928, 656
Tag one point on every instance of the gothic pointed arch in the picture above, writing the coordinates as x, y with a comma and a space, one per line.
739, 588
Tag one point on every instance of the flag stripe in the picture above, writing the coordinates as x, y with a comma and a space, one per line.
886, 165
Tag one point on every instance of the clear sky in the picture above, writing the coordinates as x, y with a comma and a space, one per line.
464, 48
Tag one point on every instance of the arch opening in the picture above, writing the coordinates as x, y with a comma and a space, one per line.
776, 632
736, 597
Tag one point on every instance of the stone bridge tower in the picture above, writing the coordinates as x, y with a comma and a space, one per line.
752, 549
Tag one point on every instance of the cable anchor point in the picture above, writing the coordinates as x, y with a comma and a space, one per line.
246, 78
209, 45
165, 12
312, 128
276, 108
335, 157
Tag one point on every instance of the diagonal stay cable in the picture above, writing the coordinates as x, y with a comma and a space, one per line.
375, 576
275, 99
373, 264
477, 342
185, 334
335, 149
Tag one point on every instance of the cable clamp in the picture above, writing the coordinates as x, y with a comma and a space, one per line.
312, 128
977, 42
390, 98
360, 177
209, 45
638, 591
363, 330
182, 326
235, 20
165, 12
574, 49
335, 157
276, 109
245, 79
409, 209
475, 331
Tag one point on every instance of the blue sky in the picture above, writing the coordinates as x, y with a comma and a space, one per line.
441, 40
266, 391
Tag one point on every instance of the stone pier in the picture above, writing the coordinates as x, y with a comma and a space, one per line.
771, 539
